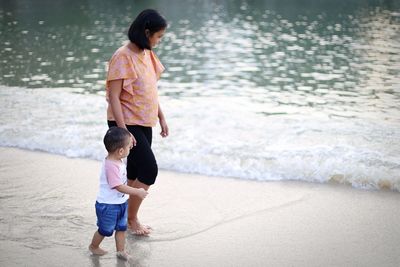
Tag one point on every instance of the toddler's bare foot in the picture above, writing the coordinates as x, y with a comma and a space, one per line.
97, 251
123, 255
139, 229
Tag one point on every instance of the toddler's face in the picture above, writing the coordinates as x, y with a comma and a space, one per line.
127, 148
155, 38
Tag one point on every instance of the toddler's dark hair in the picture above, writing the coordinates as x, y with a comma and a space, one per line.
116, 138
148, 19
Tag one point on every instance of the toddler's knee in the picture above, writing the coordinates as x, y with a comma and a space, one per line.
105, 232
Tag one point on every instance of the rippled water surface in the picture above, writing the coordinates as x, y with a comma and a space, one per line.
308, 53
251, 87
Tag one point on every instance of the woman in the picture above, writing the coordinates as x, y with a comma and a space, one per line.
133, 103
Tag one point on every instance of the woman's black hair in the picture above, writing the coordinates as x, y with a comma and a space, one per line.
148, 19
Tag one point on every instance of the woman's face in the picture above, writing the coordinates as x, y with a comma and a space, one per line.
155, 38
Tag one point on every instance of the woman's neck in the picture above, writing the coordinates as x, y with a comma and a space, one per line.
133, 47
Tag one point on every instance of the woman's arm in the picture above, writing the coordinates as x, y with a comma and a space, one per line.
115, 104
163, 123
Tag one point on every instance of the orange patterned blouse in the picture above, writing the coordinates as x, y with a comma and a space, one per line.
139, 96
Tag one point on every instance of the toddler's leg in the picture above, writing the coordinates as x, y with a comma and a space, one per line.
94, 246
120, 245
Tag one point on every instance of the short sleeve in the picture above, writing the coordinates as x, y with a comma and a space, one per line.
112, 174
121, 67
158, 67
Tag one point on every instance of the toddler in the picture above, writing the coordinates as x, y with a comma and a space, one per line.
111, 203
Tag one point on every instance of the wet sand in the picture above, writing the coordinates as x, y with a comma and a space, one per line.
47, 219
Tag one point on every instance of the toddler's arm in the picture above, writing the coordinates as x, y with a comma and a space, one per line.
139, 192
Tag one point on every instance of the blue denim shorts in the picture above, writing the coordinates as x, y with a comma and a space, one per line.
111, 217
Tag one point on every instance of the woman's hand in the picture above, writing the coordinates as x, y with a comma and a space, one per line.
164, 128
133, 139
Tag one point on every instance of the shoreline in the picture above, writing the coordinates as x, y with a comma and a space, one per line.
335, 180
48, 217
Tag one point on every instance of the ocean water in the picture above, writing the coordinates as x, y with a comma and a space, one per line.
254, 90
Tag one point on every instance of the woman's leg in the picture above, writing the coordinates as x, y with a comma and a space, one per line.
142, 172
133, 209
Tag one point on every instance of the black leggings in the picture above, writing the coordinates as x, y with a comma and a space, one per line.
141, 163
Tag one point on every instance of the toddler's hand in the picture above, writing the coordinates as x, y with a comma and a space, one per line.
141, 193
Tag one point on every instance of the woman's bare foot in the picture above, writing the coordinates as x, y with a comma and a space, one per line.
97, 251
139, 229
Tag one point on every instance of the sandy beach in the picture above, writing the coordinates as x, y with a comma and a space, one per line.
47, 219
283, 117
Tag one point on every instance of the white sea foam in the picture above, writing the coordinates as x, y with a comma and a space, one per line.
215, 136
